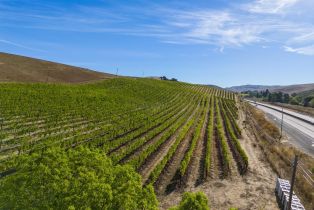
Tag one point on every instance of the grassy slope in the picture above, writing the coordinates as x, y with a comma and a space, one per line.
91, 100
14, 68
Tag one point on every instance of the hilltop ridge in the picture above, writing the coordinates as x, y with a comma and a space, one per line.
296, 88
16, 68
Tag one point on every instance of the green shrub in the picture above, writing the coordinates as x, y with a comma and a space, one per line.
192, 201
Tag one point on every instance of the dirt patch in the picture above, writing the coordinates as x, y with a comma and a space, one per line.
215, 161
255, 190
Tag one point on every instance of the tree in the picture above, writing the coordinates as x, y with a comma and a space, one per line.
279, 97
193, 201
311, 103
286, 98
266, 93
293, 101
307, 100
74, 179
269, 97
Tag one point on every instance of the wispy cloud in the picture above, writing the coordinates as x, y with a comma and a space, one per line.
270, 6
307, 50
19, 45
307, 37
228, 28
259, 22
221, 28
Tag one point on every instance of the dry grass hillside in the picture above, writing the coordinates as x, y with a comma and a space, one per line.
295, 88
15, 68
298, 88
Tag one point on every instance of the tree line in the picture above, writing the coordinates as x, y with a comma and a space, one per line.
280, 97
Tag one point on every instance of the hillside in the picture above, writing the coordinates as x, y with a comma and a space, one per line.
153, 125
307, 93
177, 136
294, 88
243, 88
15, 68
274, 88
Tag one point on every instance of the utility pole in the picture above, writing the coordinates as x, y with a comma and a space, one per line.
117, 71
295, 164
281, 123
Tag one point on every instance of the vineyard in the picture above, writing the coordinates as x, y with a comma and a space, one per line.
174, 134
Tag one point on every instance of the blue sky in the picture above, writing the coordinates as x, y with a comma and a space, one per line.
202, 41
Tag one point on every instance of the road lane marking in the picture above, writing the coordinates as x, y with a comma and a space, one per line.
297, 124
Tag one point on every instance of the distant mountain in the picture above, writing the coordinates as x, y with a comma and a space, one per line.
15, 68
274, 88
251, 88
295, 88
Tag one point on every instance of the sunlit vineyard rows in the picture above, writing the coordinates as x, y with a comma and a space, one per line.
172, 133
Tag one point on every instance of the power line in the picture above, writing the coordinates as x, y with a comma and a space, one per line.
310, 172
308, 181
306, 176
305, 169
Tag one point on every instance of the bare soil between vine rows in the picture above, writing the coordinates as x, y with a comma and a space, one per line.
254, 190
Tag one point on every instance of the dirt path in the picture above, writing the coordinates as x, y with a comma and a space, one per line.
215, 163
255, 190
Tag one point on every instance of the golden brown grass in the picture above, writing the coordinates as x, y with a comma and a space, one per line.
280, 155
300, 109
16, 68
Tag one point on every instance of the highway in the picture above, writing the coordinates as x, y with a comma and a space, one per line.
298, 128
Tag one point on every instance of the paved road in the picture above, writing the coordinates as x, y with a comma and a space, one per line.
299, 132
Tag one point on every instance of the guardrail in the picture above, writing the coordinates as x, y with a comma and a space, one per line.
279, 110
